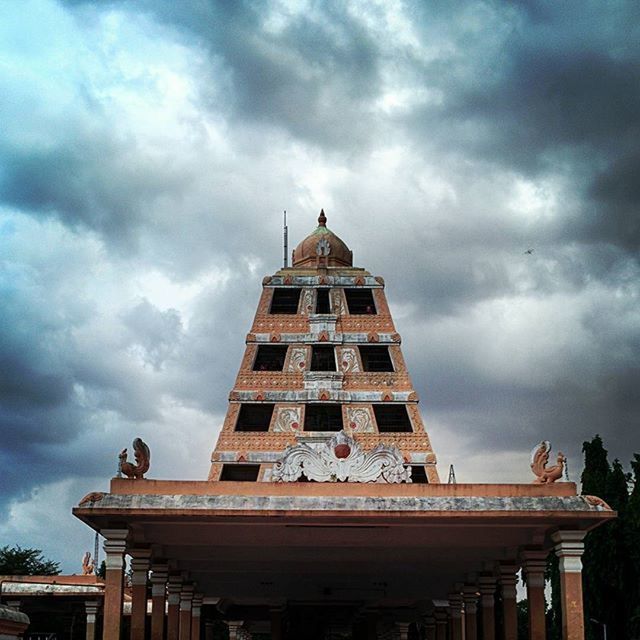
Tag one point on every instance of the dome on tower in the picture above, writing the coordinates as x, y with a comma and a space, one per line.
320, 244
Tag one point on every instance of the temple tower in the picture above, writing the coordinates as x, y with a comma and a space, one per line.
323, 356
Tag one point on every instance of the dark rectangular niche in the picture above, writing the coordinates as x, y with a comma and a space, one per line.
323, 417
285, 301
360, 301
270, 357
392, 418
240, 472
418, 474
322, 301
323, 358
254, 417
375, 358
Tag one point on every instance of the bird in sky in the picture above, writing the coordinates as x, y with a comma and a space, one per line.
529, 251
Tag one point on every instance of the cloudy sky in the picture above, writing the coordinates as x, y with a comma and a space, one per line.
147, 150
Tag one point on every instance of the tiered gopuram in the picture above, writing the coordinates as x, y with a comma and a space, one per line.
322, 356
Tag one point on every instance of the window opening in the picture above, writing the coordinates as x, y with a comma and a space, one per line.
376, 358
254, 417
360, 301
419, 474
323, 417
323, 358
392, 418
240, 472
270, 357
322, 301
285, 300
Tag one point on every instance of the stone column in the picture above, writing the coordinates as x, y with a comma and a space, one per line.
487, 588
91, 607
277, 623
139, 575
186, 598
569, 549
402, 629
174, 587
534, 564
235, 627
470, 597
430, 627
508, 580
441, 624
455, 615
159, 574
196, 611
114, 548
208, 630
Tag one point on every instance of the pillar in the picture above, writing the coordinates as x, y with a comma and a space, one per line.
534, 563
114, 548
277, 623
455, 615
441, 624
196, 612
402, 629
470, 597
139, 575
208, 630
487, 588
569, 549
186, 599
235, 627
159, 574
430, 627
91, 607
174, 587
508, 580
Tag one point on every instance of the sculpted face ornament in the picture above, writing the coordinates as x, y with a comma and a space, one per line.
323, 248
342, 459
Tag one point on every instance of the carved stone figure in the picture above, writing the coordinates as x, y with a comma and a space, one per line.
88, 566
539, 460
342, 459
91, 498
594, 501
142, 456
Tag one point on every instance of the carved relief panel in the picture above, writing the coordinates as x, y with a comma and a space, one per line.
288, 419
338, 306
349, 361
298, 359
307, 304
359, 419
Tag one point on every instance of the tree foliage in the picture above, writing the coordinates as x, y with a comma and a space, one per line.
611, 558
17, 561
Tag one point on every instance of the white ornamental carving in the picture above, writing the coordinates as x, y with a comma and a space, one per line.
337, 302
307, 301
298, 359
359, 419
342, 459
288, 420
349, 361
323, 248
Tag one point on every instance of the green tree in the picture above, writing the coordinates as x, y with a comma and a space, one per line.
632, 539
17, 561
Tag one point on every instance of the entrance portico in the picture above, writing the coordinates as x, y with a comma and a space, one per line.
366, 546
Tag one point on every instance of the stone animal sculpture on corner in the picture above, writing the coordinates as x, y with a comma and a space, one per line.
539, 460
142, 456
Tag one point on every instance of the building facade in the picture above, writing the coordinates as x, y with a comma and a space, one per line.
323, 515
